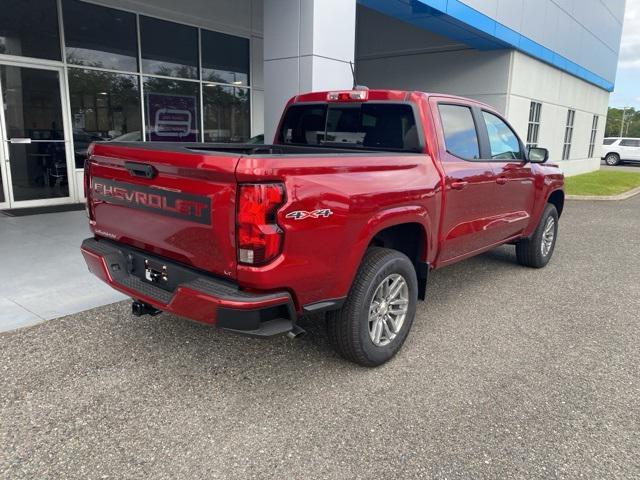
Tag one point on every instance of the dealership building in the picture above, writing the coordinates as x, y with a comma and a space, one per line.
73, 72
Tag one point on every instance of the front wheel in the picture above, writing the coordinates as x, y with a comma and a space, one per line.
537, 250
376, 318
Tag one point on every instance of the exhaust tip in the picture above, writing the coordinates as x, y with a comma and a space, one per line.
296, 332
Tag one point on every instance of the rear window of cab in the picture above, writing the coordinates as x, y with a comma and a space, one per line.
370, 126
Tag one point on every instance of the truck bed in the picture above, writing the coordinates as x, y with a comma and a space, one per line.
251, 149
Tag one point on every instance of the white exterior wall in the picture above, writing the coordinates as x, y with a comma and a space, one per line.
308, 45
557, 91
586, 32
391, 54
479, 75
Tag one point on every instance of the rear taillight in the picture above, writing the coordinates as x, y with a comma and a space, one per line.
259, 236
87, 184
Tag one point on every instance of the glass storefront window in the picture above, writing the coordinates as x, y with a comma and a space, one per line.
29, 28
101, 37
172, 110
225, 58
100, 48
104, 106
226, 113
168, 48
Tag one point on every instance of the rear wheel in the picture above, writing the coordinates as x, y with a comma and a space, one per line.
376, 318
612, 159
537, 251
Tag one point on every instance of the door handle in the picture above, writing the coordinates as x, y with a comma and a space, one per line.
501, 180
459, 185
19, 140
136, 169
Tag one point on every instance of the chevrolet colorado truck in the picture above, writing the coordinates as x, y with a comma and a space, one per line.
362, 194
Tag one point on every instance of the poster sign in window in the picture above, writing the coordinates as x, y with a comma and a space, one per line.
171, 118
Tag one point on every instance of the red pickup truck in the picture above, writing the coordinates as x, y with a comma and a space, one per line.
362, 193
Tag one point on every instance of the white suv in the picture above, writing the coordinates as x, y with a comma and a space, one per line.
616, 150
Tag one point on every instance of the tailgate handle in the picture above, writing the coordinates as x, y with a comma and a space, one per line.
136, 169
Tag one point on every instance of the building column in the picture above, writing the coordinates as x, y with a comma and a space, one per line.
308, 45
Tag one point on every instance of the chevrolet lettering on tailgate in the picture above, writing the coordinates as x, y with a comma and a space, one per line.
172, 204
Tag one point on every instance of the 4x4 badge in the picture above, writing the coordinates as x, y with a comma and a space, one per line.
300, 214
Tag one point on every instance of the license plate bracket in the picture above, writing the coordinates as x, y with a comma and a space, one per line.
155, 272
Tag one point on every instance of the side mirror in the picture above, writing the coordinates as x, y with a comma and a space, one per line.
537, 154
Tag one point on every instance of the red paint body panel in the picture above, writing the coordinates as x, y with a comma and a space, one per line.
206, 247
366, 193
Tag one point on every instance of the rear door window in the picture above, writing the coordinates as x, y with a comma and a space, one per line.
460, 135
376, 126
629, 142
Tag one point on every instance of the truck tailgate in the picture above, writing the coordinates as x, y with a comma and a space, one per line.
170, 201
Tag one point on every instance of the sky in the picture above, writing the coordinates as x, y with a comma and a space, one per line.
627, 89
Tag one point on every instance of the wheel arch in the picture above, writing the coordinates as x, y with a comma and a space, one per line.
556, 198
411, 239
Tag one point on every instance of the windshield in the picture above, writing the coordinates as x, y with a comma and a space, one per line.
377, 126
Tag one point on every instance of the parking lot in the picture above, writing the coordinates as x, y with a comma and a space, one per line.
508, 373
625, 167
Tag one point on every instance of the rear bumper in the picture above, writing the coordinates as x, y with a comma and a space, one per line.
196, 296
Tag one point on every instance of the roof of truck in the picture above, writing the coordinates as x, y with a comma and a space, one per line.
383, 95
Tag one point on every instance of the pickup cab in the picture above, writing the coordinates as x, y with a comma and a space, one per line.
360, 196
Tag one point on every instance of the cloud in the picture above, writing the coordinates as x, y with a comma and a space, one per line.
630, 44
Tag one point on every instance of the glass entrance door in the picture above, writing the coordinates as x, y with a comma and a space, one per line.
4, 195
34, 139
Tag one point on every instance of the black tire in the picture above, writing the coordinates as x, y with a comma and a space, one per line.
530, 251
348, 328
612, 159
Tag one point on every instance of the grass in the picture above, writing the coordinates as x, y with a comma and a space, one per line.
602, 182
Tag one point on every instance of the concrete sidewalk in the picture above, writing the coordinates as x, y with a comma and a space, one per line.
42, 273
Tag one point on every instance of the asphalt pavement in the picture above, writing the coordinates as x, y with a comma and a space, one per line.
625, 167
508, 373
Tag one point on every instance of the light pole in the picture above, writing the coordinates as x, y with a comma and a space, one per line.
624, 111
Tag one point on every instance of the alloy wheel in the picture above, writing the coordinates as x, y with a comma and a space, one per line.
548, 235
388, 309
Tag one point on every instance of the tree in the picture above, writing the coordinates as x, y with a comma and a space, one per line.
631, 123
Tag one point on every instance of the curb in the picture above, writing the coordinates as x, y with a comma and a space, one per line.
606, 198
